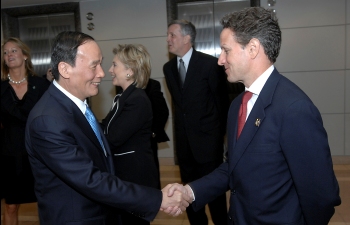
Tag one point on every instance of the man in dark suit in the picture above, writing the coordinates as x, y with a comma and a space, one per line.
71, 160
200, 111
160, 117
279, 169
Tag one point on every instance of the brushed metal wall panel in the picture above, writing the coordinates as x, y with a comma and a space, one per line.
206, 17
38, 32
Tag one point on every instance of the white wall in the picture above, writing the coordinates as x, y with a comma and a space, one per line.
315, 54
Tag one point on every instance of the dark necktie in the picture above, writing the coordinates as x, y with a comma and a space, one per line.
243, 112
182, 71
93, 123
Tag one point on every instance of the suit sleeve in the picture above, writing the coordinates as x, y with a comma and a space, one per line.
305, 146
57, 145
211, 186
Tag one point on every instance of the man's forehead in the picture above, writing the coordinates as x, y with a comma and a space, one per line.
85, 45
89, 49
227, 31
227, 34
174, 28
226, 39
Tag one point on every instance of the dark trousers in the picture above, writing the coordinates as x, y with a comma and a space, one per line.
190, 170
218, 212
129, 219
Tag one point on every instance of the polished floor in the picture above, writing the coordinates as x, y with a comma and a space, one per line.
28, 214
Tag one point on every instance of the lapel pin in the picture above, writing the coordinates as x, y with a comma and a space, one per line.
257, 122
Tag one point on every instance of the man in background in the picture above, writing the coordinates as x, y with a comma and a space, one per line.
198, 88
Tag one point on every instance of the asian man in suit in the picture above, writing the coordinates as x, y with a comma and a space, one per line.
200, 103
279, 168
71, 160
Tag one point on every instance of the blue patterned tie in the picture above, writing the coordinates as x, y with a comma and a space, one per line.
93, 123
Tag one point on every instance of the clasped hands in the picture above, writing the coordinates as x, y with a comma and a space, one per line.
176, 198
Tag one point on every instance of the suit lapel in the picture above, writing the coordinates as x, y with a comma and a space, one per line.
238, 147
78, 117
232, 123
173, 80
109, 153
123, 98
84, 124
113, 115
176, 77
191, 70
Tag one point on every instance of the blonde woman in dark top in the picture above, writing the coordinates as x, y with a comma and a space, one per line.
128, 124
20, 90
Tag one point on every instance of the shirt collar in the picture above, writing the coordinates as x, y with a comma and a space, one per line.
81, 104
186, 58
259, 83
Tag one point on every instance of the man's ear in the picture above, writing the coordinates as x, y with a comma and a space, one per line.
187, 38
63, 69
253, 47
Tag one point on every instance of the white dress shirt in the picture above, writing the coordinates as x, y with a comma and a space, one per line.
81, 104
256, 88
186, 58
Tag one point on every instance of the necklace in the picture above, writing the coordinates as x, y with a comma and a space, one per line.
16, 82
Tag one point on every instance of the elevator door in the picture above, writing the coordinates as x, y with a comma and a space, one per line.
206, 16
38, 33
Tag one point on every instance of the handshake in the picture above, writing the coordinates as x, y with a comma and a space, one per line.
176, 198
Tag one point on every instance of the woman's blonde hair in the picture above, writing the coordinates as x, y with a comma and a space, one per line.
137, 58
25, 50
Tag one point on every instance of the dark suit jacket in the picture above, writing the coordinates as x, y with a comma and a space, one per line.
74, 180
200, 106
128, 131
160, 110
279, 171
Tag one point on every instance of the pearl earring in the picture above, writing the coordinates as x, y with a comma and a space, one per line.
127, 75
